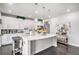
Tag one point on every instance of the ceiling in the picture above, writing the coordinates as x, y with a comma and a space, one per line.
39, 10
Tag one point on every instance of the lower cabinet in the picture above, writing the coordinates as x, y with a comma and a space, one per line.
6, 39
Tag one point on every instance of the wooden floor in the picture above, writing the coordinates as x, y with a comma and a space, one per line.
6, 50
60, 50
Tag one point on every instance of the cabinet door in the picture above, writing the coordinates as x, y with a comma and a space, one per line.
20, 23
12, 23
9, 22
4, 23
9, 40
4, 40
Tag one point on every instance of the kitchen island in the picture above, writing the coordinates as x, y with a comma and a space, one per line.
36, 43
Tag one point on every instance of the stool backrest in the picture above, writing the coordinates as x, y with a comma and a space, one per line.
18, 41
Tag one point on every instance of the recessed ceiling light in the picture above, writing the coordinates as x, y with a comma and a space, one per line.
49, 16
36, 12
9, 11
68, 10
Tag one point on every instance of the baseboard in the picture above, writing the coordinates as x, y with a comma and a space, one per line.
73, 44
76, 45
5, 45
62, 43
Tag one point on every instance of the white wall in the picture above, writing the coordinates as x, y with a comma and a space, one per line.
73, 18
52, 26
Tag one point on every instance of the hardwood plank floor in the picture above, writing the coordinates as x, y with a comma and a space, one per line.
60, 50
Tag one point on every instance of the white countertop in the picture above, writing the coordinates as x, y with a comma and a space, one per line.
38, 37
32, 37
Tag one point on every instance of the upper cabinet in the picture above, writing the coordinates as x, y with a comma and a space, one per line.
20, 23
11, 23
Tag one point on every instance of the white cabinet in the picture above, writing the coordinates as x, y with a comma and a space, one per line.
20, 24
5, 22
7, 39
10, 22
4, 40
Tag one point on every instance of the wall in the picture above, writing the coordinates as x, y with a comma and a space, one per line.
73, 34
52, 26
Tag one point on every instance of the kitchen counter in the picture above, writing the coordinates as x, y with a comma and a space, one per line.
39, 43
39, 37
